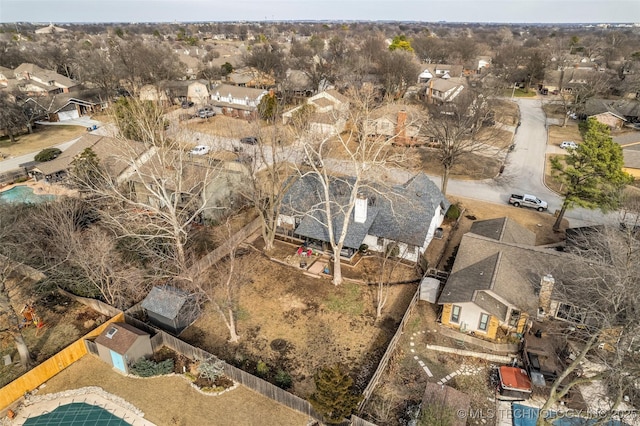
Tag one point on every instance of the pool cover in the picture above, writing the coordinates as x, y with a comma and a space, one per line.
77, 414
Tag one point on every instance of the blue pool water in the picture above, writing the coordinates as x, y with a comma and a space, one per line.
527, 416
77, 414
24, 194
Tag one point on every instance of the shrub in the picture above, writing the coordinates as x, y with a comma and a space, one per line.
363, 248
454, 212
211, 368
47, 154
147, 368
283, 379
262, 369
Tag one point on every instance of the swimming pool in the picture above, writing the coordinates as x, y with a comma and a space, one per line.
24, 194
76, 414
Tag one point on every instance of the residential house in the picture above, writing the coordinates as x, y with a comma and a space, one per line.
209, 183
117, 158
397, 122
329, 116
613, 113
36, 81
170, 309
198, 92
497, 280
236, 101
630, 143
64, 107
404, 216
51, 29
154, 93
297, 83
442, 90
552, 80
628, 110
121, 345
250, 77
480, 65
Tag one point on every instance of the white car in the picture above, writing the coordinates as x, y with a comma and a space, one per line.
568, 145
201, 150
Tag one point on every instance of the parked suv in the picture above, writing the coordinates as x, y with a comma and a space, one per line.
568, 145
206, 112
249, 140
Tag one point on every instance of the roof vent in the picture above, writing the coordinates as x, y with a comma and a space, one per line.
112, 331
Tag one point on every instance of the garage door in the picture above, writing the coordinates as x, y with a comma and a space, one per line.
68, 115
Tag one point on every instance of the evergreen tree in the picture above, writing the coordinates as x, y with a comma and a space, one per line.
591, 175
334, 397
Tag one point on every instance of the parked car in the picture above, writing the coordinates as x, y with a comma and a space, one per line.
528, 200
186, 104
568, 145
206, 112
249, 140
201, 150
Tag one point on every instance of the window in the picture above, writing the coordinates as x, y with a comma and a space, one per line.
455, 313
484, 322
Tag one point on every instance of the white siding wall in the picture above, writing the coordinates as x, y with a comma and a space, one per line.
470, 317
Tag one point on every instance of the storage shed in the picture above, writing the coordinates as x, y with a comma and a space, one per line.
121, 345
429, 289
170, 309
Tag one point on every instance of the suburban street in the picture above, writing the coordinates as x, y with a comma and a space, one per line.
523, 172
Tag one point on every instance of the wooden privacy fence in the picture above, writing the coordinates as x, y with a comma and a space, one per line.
49, 368
211, 258
389, 352
252, 382
94, 304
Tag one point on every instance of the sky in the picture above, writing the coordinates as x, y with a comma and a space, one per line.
501, 11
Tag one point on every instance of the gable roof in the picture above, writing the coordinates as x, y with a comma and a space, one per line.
165, 301
493, 274
403, 214
105, 148
237, 92
121, 339
504, 229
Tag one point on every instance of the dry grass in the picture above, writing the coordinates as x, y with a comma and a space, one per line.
470, 166
172, 401
43, 137
506, 112
236, 128
555, 111
549, 180
557, 134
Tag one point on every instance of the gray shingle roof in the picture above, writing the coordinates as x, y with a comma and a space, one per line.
165, 301
504, 229
515, 271
401, 213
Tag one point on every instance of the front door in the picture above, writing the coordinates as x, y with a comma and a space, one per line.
117, 361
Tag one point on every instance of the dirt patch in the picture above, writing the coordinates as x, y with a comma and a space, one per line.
297, 324
42, 137
557, 134
549, 180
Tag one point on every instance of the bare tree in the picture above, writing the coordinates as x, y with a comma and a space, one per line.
361, 157
458, 129
162, 191
602, 286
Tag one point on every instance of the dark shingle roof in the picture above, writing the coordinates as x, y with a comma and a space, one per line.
504, 229
165, 301
121, 339
402, 214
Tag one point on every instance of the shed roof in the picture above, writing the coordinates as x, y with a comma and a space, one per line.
119, 337
165, 301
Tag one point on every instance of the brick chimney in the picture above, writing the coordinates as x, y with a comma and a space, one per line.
544, 297
360, 209
401, 127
